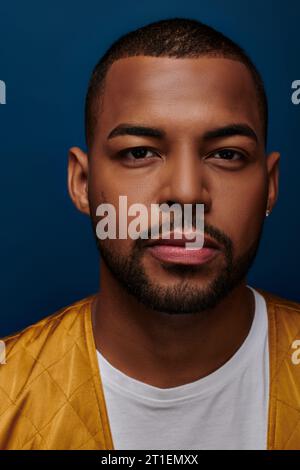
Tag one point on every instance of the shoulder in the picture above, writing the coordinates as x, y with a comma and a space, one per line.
43, 341
280, 303
37, 375
284, 320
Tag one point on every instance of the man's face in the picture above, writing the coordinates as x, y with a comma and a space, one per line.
228, 172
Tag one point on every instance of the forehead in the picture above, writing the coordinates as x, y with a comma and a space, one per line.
179, 92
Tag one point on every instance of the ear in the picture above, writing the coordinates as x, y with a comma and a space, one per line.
78, 179
273, 176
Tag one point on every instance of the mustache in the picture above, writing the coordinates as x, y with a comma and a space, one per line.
218, 235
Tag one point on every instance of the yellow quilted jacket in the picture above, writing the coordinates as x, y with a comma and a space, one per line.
51, 394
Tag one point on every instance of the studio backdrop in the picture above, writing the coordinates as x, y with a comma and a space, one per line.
47, 52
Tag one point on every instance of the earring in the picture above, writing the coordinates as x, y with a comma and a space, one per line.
268, 212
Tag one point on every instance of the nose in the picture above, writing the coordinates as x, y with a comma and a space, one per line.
185, 181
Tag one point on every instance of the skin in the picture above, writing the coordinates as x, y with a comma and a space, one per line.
185, 98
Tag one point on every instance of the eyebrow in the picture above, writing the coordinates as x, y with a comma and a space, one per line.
231, 130
224, 131
128, 129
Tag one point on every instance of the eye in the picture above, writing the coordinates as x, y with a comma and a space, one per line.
228, 155
138, 153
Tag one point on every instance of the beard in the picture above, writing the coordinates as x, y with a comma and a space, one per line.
184, 296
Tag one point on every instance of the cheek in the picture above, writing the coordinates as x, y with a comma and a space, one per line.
112, 181
105, 186
240, 210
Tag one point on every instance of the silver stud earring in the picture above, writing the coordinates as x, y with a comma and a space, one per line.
268, 212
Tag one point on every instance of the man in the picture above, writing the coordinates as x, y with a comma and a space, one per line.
189, 355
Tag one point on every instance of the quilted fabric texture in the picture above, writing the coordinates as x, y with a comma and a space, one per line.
50, 390
51, 394
284, 403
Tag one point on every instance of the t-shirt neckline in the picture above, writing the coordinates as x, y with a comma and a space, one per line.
220, 377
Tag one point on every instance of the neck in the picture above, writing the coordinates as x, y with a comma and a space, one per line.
168, 350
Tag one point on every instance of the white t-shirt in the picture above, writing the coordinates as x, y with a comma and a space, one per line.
227, 409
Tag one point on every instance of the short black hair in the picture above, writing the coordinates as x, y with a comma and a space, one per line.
175, 37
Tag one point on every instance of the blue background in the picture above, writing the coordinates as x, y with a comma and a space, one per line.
47, 52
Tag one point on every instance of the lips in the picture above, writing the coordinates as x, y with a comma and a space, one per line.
174, 250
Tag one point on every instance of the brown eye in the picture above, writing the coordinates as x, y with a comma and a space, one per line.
138, 153
228, 154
